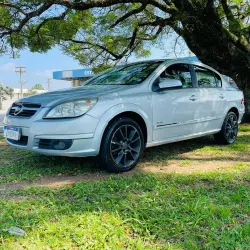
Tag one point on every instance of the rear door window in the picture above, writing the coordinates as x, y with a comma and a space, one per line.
207, 78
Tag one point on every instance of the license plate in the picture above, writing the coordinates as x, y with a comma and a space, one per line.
12, 133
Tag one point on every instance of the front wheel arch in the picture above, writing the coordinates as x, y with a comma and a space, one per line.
134, 116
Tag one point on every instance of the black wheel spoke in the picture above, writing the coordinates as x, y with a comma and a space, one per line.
136, 139
134, 150
117, 149
116, 142
119, 158
126, 132
121, 133
131, 155
132, 134
125, 159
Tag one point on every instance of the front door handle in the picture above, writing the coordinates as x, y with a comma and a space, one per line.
193, 98
221, 96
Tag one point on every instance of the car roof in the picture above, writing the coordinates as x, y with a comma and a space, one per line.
177, 60
184, 59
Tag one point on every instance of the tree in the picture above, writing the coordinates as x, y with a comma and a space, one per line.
103, 32
30, 92
9, 91
4, 92
33, 90
38, 87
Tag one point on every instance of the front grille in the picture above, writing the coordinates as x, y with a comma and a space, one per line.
24, 109
22, 142
45, 144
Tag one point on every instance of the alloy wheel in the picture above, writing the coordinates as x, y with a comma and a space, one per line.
125, 146
231, 128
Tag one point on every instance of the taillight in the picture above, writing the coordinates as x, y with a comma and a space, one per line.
242, 101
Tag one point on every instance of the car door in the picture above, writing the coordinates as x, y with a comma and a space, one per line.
174, 109
212, 100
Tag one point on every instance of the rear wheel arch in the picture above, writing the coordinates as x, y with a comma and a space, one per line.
234, 110
229, 130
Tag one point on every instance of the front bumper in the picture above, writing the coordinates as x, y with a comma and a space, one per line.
80, 130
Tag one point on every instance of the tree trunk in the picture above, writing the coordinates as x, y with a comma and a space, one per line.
246, 90
209, 41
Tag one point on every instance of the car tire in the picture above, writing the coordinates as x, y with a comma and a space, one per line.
229, 130
122, 145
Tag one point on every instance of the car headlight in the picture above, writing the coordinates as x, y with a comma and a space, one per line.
72, 109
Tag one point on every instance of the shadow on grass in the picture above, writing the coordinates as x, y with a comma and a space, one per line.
208, 211
16, 165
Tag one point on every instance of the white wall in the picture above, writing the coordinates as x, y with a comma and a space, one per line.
7, 103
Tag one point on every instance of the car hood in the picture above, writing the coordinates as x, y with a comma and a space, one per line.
69, 94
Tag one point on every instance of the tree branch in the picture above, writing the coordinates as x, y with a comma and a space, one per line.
28, 16
129, 14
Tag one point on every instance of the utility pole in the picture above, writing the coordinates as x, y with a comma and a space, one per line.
49, 80
20, 70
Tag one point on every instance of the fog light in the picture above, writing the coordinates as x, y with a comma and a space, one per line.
62, 144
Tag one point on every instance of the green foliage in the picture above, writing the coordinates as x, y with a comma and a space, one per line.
33, 90
4, 93
30, 92
101, 34
38, 87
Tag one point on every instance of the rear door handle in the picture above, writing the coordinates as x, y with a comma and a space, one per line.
221, 96
193, 98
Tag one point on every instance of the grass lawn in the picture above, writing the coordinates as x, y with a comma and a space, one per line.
188, 195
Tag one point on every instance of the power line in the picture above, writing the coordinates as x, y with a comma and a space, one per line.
20, 70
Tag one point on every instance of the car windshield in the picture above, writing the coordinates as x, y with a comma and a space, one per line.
125, 75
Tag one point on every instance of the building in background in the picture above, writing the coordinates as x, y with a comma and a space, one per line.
17, 93
76, 76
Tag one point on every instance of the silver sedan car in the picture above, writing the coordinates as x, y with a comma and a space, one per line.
118, 113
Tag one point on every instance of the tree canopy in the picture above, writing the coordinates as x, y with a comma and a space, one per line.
38, 86
33, 90
103, 32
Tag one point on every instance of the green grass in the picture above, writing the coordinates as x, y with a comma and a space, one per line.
200, 210
206, 211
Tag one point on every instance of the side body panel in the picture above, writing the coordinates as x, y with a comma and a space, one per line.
173, 113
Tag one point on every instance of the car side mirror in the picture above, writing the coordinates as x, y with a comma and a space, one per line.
170, 83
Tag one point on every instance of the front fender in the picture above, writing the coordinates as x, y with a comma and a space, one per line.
115, 111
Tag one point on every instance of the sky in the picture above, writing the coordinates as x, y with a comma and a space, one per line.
39, 67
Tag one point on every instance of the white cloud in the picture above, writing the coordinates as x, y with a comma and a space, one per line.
8, 67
